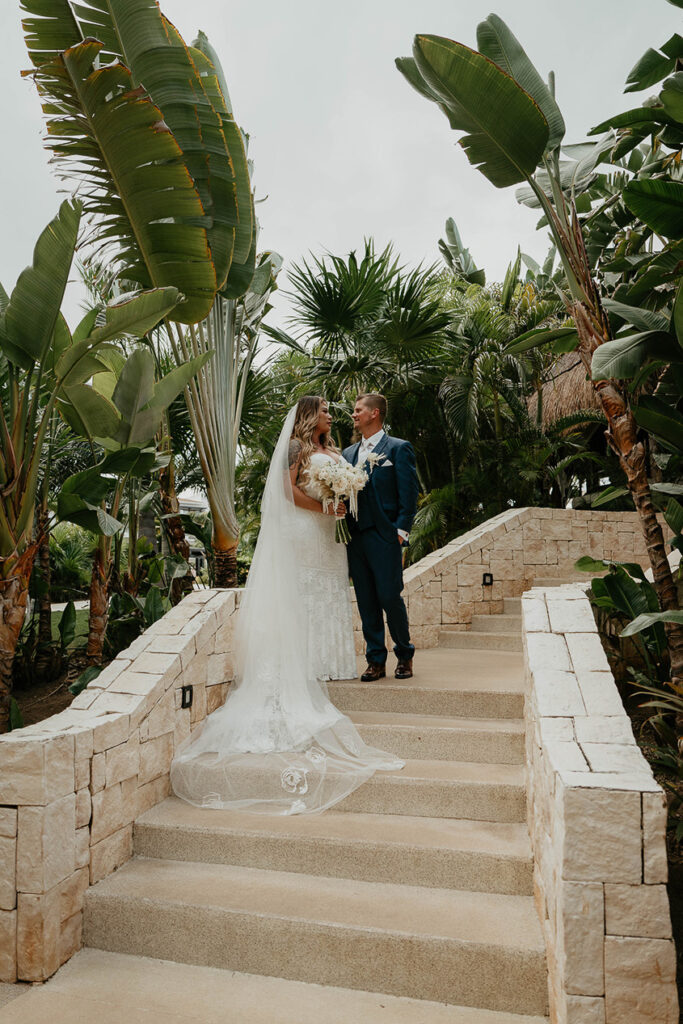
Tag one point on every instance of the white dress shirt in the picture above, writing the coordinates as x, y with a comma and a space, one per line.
366, 446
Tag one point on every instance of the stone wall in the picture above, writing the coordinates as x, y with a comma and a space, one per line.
597, 820
445, 589
72, 786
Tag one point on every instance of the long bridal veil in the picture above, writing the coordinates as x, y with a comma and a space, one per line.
278, 745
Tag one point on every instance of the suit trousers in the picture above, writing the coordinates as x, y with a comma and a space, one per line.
376, 568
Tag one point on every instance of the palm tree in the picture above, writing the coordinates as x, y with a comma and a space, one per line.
39, 361
472, 88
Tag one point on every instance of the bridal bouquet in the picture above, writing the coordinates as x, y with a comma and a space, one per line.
337, 482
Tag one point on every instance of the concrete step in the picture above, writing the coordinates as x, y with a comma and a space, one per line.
512, 605
111, 987
453, 683
454, 701
562, 581
437, 738
444, 789
483, 950
439, 853
469, 640
497, 623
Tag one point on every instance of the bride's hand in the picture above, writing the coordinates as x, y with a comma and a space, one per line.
340, 510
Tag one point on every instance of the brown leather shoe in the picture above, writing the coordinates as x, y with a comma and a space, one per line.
404, 669
373, 672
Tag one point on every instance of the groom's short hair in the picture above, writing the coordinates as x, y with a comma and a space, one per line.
375, 401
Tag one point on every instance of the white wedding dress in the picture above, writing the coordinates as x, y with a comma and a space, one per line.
323, 577
278, 745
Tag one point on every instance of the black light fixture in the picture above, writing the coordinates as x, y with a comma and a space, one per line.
487, 580
186, 696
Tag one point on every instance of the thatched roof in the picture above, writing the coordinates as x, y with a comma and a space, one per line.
567, 392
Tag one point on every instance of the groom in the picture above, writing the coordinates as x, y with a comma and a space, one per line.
386, 509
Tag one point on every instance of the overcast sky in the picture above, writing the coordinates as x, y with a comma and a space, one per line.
343, 148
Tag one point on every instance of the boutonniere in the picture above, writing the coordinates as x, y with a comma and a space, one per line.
373, 459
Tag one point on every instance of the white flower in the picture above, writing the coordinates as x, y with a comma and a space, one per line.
374, 458
338, 481
316, 755
294, 781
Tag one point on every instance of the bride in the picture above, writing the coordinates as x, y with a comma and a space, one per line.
278, 745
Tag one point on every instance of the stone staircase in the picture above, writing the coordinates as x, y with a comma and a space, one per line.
411, 901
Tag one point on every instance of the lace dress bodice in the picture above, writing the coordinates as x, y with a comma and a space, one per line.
324, 579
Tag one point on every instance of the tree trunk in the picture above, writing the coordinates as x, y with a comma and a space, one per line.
13, 596
44, 653
99, 600
175, 533
225, 565
622, 435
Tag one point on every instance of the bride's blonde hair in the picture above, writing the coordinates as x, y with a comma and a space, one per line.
301, 445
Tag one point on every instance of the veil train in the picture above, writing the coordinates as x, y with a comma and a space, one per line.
278, 745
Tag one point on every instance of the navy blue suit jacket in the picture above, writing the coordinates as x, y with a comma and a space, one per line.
391, 493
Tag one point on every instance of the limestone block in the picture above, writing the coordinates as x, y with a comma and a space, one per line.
600, 834
151, 794
203, 627
474, 557
98, 772
46, 844
453, 610
584, 1010
430, 637
143, 683
197, 671
556, 693
82, 773
567, 616
198, 709
8, 862
82, 851
83, 807
469, 575
604, 729
586, 652
557, 529
638, 910
113, 808
70, 937
111, 730
137, 646
614, 757
71, 892
624, 781
554, 729
215, 697
599, 692
535, 615
182, 726
161, 718
179, 644
219, 669
38, 927
110, 672
8, 822
531, 531
581, 918
111, 853
640, 981
655, 864
35, 771
566, 755
166, 664
155, 757
86, 698
547, 652
534, 552
121, 761
8, 946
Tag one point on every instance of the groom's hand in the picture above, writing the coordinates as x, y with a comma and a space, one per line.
401, 539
